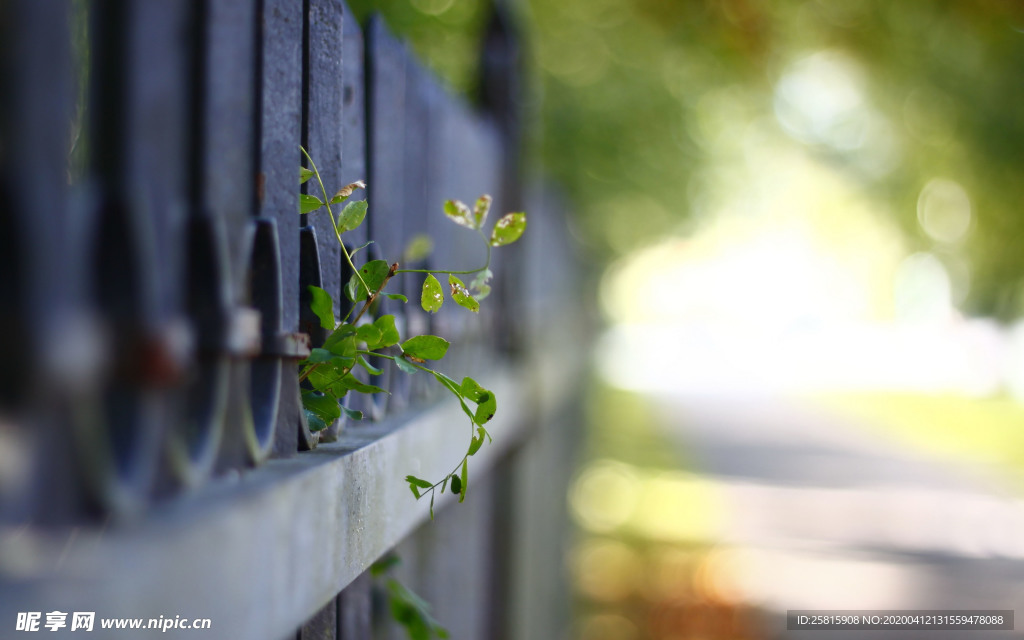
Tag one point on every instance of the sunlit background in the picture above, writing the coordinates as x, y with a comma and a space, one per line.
803, 225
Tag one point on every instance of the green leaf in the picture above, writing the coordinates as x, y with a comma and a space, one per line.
465, 479
352, 413
475, 443
508, 229
485, 408
351, 216
314, 422
458, 213
304, 175
405, 366
374, 273
485, 400
432, 297
415, 491
456, 390
382, 566
355, 384
335, 377
324, 406
322, 306
456, 484
460, 294
372, 370
396, 296
317, 355
471, 389
418, 248
482, 292
309, 203
388, 333
353, 253
352, 289
370, 334
425, 347
342, 341
419, 482
449, 383
483, 205
482, 279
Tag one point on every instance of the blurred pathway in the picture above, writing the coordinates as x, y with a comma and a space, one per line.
822, 514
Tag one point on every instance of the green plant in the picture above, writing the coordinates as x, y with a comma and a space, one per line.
406, 607
354, 339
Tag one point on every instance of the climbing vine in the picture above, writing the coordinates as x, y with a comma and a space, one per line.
354, 339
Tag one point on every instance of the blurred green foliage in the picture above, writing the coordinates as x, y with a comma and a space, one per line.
628, 89
445, 33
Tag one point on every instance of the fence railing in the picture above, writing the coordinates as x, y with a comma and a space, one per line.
154, 457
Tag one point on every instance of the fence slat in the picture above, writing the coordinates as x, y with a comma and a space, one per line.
280, 94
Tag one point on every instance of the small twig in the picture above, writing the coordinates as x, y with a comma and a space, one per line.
391, 272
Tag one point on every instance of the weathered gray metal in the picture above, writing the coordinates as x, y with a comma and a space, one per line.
153, 265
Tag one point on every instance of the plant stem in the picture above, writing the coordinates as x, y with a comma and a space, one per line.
471, 424
366, 305
334, 223
391, 272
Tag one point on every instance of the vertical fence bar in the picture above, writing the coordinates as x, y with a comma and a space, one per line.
323, 625
385, 121
324, 95
354, 166
355, 609
280, 132
228, 182
120, 426
35, 289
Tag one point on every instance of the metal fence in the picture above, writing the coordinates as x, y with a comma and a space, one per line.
154, 459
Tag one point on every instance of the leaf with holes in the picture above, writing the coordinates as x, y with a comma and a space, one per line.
508, 229
483, 205
374, 273
482, 279
346, 191
432, 297
460, 294
484, 399
458, 213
